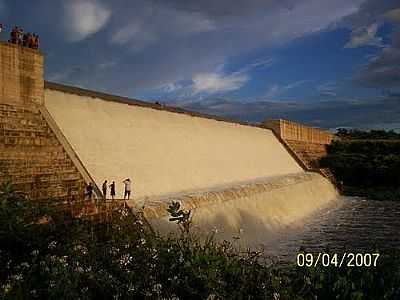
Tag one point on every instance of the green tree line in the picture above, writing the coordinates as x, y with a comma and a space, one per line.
367, 163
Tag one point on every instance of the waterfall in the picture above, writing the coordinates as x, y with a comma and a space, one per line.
251, 211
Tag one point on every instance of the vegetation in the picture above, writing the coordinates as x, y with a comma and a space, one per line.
355, 134
367, 163
46, 254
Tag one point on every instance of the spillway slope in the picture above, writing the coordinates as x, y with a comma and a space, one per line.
164, 152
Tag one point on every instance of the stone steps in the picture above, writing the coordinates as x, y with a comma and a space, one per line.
32, 158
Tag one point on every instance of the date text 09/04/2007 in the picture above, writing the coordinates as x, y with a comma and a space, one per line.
338, 260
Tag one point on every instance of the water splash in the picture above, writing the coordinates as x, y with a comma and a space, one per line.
252, 212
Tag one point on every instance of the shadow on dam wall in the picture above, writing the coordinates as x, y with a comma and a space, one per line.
253, 212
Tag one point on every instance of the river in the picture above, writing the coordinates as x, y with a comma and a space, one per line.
351, 224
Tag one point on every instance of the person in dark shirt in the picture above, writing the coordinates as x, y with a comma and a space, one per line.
35, 41
13, 35
112, 190
89, 191
25, 39
105, 189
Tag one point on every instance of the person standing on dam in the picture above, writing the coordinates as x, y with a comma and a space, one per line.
89, 191
127, 184
112, 190
105, 189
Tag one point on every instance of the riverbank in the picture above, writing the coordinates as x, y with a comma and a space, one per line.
366, 167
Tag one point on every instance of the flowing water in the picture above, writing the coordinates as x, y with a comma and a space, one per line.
350, 224
286, 213
252, 211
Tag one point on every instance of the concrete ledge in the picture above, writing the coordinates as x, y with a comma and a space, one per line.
157, 208
250, 214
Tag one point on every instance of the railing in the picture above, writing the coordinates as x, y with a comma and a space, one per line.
70, 151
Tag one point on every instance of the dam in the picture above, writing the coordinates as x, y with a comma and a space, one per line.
234, 177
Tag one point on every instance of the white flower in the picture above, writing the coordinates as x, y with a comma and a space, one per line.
125, 260
81, 248
7, 287
131, 287
52, 245
124, 212
157, 288
18, 277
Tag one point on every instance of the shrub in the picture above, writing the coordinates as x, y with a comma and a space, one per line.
44, 254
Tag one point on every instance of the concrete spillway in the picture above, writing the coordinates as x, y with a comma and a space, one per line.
252, 211
164, 152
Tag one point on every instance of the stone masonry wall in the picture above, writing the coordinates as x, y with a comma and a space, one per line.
21, 75
31, 157
308, 144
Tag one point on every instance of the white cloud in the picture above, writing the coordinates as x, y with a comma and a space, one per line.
275, 89
260, 63
166, 22
365, 36
173, 43
84, 18
212, 83
171, 87
135, 33
193, 22
107, 64
328, 89
217, 81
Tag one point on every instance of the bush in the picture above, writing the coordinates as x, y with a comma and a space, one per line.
45, 254
366, 168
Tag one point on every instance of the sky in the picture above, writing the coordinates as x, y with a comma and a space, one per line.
326, 63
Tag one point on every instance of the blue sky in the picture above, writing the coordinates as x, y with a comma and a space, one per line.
309, 54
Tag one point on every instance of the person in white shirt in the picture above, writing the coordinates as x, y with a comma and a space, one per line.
127, 183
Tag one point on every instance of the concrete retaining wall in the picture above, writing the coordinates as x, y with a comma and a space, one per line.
307, 143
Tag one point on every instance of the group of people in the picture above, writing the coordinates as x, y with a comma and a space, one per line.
18, 37
127, 189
